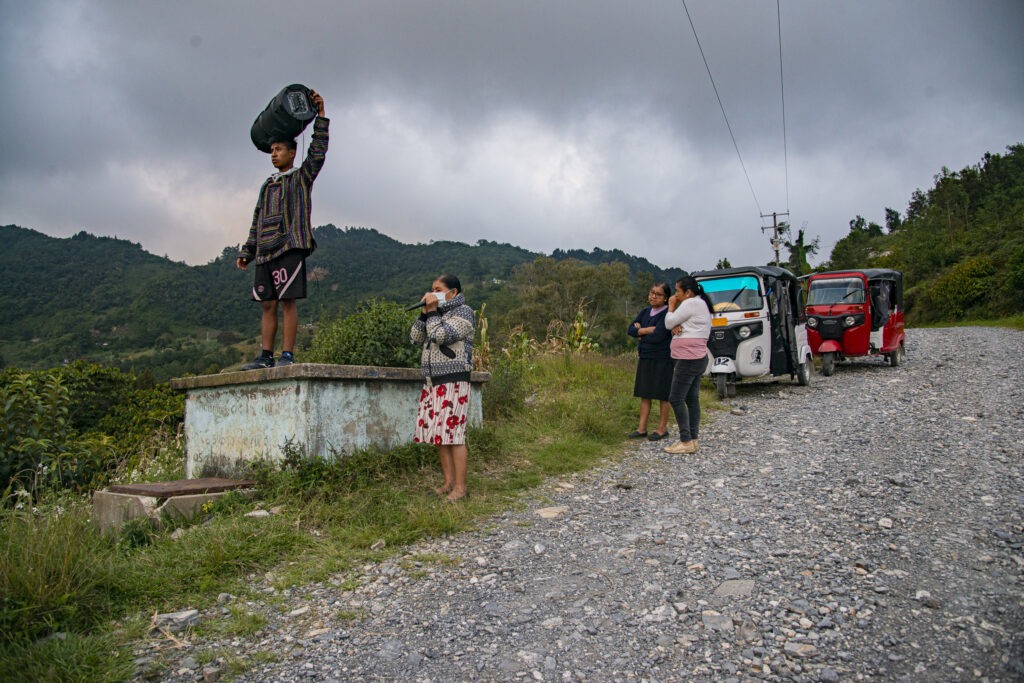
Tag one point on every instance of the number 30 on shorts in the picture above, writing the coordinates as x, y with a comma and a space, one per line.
280, 276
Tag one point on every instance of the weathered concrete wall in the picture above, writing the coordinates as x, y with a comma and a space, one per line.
323, 409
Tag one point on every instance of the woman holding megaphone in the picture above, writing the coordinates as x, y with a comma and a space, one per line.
445, 330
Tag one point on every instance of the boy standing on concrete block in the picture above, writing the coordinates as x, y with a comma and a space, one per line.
281, 237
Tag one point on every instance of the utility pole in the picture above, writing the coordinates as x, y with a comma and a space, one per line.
775, 232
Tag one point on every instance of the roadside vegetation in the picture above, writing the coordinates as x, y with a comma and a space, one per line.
960, 245
1014, 322
73, 602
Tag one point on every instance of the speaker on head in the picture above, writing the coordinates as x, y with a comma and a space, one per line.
287, 115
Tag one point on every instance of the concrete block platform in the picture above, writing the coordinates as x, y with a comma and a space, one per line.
156, 501
317, 410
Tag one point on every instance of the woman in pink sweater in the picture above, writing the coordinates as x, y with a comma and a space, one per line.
689, 318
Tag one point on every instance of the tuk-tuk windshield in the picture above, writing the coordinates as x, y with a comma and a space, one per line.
826, 291
740, 293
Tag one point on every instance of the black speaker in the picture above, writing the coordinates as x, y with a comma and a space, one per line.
285, 117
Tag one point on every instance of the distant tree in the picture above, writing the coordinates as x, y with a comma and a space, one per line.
723, 263
893, 222
549, 294
799, 250
917, 207
858, 249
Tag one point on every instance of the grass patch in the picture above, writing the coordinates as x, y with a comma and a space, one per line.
58, 574
73, 657
238, 622
1014, 322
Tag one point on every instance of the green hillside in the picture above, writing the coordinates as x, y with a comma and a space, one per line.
960, 245
108, 300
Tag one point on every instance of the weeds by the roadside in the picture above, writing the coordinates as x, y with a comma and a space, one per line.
68, 657
1014, 322
238, 622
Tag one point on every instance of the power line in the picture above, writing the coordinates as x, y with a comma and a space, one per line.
782, 88
722, 107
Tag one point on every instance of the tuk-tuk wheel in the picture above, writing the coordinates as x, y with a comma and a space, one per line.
896, 357
803, 373
828, 363
722, 386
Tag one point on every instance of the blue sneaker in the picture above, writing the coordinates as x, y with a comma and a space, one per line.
260, 363
286, 359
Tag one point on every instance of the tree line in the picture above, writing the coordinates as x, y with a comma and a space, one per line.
959, 244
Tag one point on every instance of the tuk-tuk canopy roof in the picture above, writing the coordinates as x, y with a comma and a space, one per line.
764, 271
868, 273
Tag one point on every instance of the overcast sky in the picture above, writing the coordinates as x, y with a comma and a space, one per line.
547, 124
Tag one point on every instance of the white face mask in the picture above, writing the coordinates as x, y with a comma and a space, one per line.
441, 296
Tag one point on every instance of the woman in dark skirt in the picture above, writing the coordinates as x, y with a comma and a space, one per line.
654, 369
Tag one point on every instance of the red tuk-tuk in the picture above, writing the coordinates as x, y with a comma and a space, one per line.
855, 313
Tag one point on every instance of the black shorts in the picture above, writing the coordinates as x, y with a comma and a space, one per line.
283, 277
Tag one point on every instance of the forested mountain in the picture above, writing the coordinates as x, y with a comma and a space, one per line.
106, 299
960, 245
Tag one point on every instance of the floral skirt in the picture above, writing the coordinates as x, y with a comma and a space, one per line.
441, 418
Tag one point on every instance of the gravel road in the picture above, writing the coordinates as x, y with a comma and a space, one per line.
868, 526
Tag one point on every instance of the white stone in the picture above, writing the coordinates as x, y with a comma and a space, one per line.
551, 512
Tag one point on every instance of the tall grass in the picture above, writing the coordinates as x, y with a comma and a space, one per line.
54, 571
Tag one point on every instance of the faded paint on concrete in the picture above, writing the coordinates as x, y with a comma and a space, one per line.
324, 410
110, 510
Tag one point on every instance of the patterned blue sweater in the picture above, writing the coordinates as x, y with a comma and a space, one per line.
447, 338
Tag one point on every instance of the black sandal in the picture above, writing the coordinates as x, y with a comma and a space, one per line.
657, 436
638, 435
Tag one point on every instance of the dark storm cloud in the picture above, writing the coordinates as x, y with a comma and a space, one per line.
568, 124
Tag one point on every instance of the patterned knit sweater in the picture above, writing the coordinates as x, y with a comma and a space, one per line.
447, 338
281, 219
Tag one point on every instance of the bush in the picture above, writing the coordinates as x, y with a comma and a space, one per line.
73, 426
39, 448
376, 334
966, 284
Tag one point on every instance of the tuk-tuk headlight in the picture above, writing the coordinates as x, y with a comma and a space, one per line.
812, 322
744, 332
849, 321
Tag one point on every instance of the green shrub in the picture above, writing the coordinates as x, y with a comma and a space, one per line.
145, 428
39, 449
376, 334
73, 426
966, 283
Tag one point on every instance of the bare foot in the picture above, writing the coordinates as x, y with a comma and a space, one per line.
443, 490
456, 496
